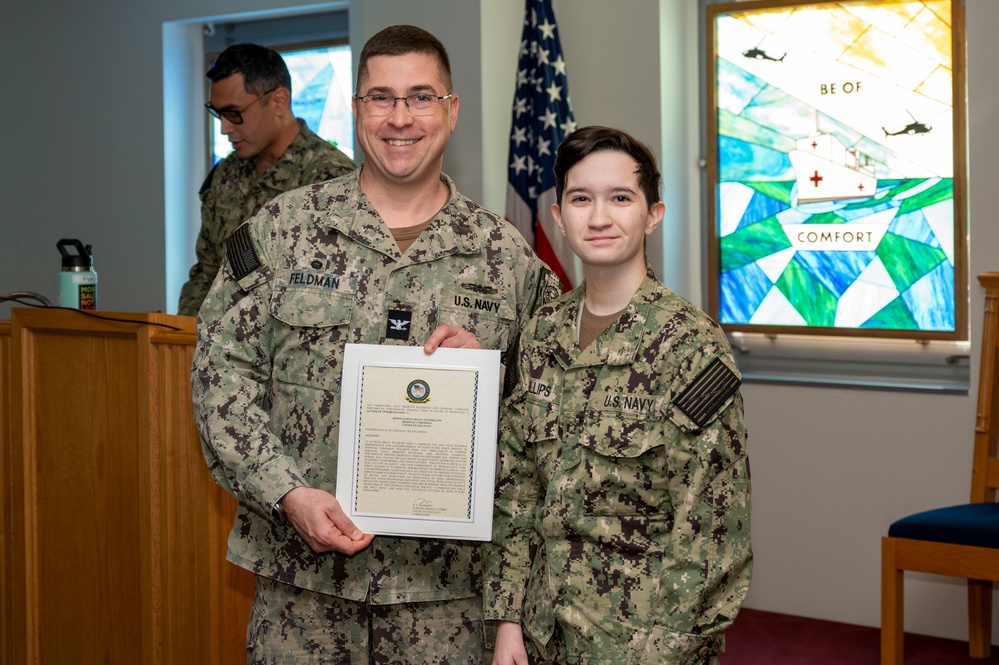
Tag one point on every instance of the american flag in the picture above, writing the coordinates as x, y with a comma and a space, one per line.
542, 116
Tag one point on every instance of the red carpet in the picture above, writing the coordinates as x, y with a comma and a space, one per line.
768, 638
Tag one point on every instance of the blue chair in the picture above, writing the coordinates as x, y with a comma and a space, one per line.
959, 541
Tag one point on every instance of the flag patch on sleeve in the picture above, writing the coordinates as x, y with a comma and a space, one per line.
242, 256
709, 391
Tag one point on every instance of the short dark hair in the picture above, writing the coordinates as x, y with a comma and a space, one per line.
403, 40
263, 69
588, 140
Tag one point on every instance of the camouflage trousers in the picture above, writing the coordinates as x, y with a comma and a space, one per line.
292, 626
565, 649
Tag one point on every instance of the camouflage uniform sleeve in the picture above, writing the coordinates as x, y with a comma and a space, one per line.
312, 159
548, 288
509, 554
544, 287
209, 251
708, 471
229, 380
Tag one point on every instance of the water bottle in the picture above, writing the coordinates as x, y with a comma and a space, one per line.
77, 279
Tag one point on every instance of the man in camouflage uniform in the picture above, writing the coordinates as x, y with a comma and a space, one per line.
273, 152
391, 254
621, 530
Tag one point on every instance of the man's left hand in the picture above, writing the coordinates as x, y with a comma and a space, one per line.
451, 337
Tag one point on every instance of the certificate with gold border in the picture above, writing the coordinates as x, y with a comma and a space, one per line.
417, 449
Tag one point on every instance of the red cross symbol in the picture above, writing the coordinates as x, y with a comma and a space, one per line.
816, 178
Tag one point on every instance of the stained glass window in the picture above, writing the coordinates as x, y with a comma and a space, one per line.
836, 168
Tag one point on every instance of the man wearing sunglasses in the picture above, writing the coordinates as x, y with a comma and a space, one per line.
273, 152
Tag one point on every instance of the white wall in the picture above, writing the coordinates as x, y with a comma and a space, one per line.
832, 468
83, 157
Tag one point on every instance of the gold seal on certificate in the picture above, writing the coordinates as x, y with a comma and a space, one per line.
417, 449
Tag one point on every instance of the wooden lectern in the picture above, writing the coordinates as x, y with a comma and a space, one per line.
114, 534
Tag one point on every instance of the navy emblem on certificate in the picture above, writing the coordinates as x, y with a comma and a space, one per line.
418, 391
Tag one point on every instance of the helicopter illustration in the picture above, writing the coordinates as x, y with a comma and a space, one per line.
913, 128
759, 54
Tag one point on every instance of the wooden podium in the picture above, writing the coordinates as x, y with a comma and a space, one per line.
114, 534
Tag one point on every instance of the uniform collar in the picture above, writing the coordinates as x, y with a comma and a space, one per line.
617, 346
448, 233
276, 175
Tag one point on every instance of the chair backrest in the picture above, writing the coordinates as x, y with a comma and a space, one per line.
985, 469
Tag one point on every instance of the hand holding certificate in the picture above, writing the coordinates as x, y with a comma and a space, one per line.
417, 449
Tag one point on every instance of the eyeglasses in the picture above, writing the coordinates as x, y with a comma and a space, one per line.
234, 116
420, 103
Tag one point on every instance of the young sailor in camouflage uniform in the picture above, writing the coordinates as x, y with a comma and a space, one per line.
391, 254
621, 530
273, 152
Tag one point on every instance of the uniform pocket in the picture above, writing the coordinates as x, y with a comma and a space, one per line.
258, 617
614, 434
310, 308
628, 455
308, 347
539, 421
491, 319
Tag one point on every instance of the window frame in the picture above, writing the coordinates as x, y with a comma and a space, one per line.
851, 359
710, 10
